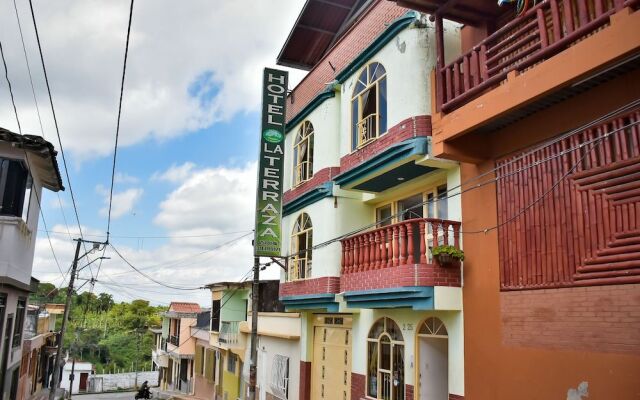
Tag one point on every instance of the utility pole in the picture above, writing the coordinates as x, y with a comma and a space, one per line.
255, 294
65, 317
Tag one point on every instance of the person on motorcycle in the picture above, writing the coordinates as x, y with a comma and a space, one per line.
144, 392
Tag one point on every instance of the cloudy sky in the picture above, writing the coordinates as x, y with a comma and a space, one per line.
185, 182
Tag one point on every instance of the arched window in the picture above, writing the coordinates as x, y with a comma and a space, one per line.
385, 361
432, 326
303, 154
301, 242
369, 105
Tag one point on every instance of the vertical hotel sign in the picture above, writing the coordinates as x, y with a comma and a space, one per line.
268, 233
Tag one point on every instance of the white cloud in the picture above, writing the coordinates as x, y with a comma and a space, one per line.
207, 216
123, 202
175, 173
124, 178
190, 65
220, 197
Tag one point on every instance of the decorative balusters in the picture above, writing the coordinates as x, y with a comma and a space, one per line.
398, 244
546, 29
409, 239
423, 242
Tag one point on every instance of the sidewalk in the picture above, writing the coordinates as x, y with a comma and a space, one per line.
166, 394
44, 395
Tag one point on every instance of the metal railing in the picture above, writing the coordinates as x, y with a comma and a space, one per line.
300, 266
174, 340
304, 172
367, 129
229, 332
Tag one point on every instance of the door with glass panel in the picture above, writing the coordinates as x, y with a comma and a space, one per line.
436, 205
385, 361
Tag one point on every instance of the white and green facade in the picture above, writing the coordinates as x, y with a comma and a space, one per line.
364, 203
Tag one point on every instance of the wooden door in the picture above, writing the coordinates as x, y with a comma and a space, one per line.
84, 377
331, 377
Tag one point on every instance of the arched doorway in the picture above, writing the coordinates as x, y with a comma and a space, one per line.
385, 361
433, 359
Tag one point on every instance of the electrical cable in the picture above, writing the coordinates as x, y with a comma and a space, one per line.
159, 237
149, 277
176, 262
115, 149
35, 100
608, 116
55, 122
44, 222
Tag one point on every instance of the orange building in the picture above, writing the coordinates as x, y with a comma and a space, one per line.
543, 111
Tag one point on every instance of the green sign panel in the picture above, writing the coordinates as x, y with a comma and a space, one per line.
268, 240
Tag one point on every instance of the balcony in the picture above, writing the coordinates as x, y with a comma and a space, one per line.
174, 340
382, 161
391, 266
545, 30
513, 67
160, 358
229, 332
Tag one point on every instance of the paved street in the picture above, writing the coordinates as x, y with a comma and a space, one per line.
105, 396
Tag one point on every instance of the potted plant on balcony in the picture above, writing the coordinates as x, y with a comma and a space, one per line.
447, 256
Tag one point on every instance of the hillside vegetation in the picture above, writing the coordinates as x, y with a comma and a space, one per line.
112, 336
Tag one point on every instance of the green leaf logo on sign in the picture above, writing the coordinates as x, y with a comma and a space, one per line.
272, 136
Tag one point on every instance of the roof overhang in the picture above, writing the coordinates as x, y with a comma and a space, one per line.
45, 157
469, 12
318, 27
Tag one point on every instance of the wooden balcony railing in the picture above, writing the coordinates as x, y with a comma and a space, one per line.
407, 242
542, 32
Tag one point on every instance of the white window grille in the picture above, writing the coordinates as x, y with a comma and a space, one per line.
280, 376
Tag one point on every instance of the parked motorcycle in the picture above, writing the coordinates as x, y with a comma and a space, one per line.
143, 392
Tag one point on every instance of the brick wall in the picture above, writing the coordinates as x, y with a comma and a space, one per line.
320, 177
305, 380
408, 390
403, 275
600, 318
325, 284
406, 129
358, 383
371, 24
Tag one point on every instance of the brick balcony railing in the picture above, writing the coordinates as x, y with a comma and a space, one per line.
399, 255
545, 30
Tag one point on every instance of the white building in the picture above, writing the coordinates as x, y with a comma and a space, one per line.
81, 373
381, 318
27, 164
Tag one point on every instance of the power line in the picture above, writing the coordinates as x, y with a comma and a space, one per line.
35, 100
149, 277
115, 150
55, 121
543, 145
175, 262
157, 236
26, 156
6, 75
